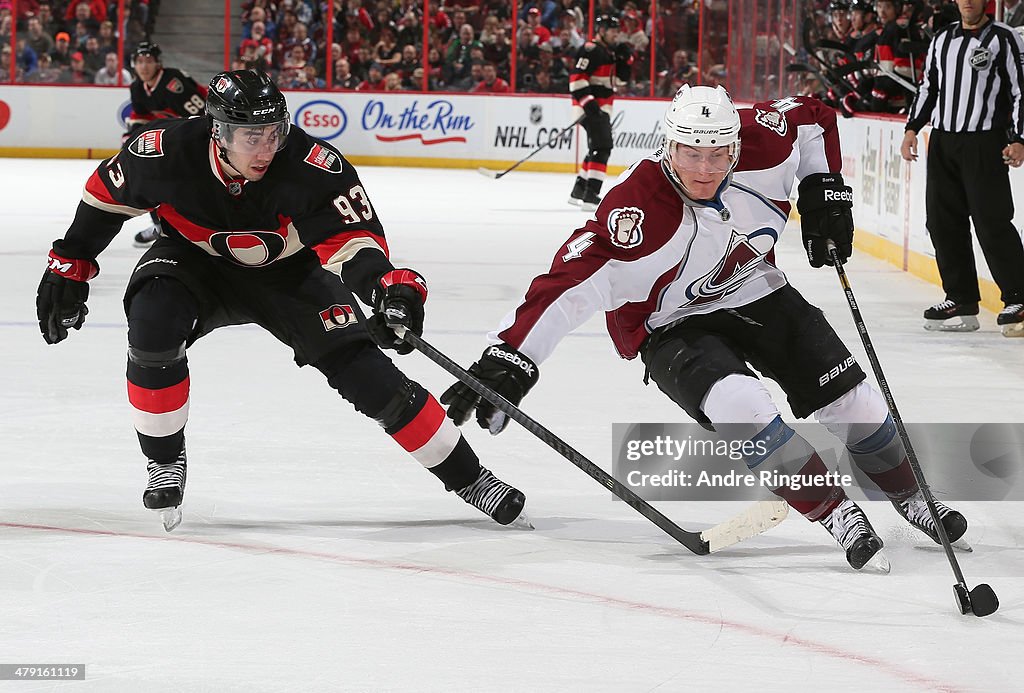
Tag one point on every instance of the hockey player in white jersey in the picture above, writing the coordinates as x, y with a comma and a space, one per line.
680, 256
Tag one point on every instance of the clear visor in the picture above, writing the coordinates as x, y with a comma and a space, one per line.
711, 160
252, 139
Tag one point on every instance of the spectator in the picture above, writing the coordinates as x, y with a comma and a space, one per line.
343, 77
37, 39
541, 34
107, 38
261, 45
457, 61
108, 75
303, 12
5, 66
410, 31
94, 58
374, 79
45, 72
570, 11
546, 12
300, 37
499, 50
409, 62
258, 14
353, 42
490, 29
415, 81
475, 76
309, 78
85, 17
357, 16
321, 63
1013, 13
491, 82
681, 72
546, 61
436, 64
387, 52
393, 82
542, 84
76, 72
51, 25
294, 62
61, 53
633, 32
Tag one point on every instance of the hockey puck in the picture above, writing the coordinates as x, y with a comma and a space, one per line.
983, 600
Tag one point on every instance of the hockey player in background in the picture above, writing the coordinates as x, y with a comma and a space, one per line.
261, 224
159, 92
680, 255
591, 85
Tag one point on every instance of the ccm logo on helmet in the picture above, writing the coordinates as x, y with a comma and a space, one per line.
514, 359
264, 111
838, 196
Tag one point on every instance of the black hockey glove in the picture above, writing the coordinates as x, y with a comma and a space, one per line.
826, 214
501, 368
592, 111
398, 301
61, 297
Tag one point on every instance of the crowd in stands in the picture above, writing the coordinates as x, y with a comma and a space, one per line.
71, 41
379, 44
888, 38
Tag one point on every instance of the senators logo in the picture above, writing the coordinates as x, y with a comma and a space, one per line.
249, 248
175, 86
338, 316
625, 225
773, 120
323, 158
149, 144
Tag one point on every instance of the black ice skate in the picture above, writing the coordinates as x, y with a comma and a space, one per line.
503, 503
576, 196
591, 198
850, 527
1011, 320
166, 490
915, 511
950, 316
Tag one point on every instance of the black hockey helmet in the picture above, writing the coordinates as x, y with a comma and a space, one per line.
146, 48
605, 21
245, 99
839, 6
864, 6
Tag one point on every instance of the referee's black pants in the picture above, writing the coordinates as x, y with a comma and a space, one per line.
967, 177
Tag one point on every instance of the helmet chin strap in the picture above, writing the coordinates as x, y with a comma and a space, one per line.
222, 154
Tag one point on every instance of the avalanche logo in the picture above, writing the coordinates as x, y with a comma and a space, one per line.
337, 316
625, 225
773, 120
249, 248
149, 144
734, 269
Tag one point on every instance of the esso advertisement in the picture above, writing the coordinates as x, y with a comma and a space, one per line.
323, 119
123, 111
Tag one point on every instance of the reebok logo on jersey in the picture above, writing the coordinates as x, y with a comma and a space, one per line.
515, 359
773, 120
834, 372
149, 144
323, 158
175, 86
337, 316
625, 224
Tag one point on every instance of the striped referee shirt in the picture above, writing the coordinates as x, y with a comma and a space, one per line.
972, 81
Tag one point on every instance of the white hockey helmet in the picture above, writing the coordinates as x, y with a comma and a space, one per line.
703, 117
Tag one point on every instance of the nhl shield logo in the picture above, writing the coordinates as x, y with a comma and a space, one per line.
981, 58
536, 114
625, 225
235, 188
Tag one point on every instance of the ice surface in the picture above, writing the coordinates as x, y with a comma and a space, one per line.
316, 556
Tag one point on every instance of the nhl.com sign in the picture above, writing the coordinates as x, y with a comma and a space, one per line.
323, 119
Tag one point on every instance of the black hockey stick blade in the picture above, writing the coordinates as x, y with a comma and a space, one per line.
981, 601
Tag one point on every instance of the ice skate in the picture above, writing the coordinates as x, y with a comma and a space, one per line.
146, 237
1011, 320
166, 490
950, 316
492, 496
915, 511
576, 196
850, 527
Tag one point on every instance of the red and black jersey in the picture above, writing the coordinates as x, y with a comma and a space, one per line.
309, 201
591, 76
176, 95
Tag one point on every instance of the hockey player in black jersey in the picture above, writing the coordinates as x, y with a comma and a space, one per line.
262, 224
159, 92
591, 85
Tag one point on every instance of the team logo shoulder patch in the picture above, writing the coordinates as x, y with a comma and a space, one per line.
149, 144
625, 224
175, 86
338, 316
981, 58
323, 158
773, 120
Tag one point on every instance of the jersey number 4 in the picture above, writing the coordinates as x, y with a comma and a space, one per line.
354, 206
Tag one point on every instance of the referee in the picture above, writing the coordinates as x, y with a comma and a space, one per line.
971, 95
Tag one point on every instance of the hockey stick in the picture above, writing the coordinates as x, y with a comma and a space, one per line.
759, 518
982, 600
552, 140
